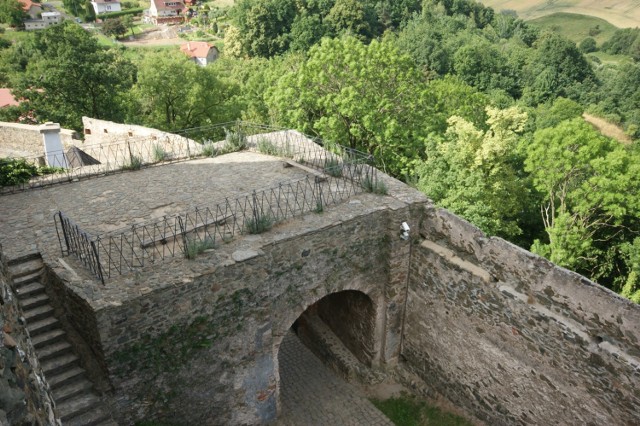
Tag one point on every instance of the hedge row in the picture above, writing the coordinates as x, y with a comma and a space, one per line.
132, 11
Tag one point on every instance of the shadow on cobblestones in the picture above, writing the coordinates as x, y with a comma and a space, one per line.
311, 394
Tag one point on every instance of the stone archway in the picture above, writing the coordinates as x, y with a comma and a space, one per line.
334, 342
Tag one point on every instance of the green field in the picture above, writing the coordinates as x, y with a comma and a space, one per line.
576, 27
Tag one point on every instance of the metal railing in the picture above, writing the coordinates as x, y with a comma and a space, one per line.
78, 243
340, 173
86, 160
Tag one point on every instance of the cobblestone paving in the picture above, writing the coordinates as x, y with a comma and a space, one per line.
113, 202
311, 395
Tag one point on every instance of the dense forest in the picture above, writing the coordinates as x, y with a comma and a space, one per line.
476, 108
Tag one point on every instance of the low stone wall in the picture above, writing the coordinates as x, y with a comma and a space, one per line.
23, 140
513, 338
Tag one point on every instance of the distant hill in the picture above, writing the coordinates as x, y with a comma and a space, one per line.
576, 27
622, 14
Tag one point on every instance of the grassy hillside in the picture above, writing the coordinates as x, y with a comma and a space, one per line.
622, 14
576, 27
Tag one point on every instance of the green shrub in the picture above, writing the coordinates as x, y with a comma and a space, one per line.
236, 141
267, 147
209, 150
15, 171
111, 15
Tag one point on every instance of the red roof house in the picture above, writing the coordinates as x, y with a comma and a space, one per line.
201, 52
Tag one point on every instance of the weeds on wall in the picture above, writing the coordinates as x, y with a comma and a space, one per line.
374, 186
333, 167
267, 147
196, 247
210, 150
259, 223
159, 154
135, 163
235, 141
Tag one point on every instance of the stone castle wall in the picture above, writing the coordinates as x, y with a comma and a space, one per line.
513, 338
498, 331
204, 348
24, 140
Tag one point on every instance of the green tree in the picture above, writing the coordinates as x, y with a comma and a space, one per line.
263, 25
89, 12
473, 172
350, 17
588, 45
369, 97
11, 13
306, 31
590, 206
556, 68
128, 23
114, 28
69, 75
173, 93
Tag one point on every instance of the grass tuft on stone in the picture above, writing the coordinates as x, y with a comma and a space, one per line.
259, 224
196, 247
374, 186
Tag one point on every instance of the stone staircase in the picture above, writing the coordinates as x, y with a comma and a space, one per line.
76, 401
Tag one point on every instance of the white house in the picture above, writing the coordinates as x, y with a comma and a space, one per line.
166, 11
201, 52
47, 19
105, 6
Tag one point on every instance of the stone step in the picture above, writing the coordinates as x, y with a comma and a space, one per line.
74, 407
59, 364
98, 416
34, 301
24, 258
29, 290
66, 377
71, 390
35, 314
43, 326
27, 279
27, 267
48, 338
53, 349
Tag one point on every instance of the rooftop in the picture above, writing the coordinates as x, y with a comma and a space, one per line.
7, 99
196, 49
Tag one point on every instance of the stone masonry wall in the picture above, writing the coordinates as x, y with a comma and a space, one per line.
24, 395
513, 338
203, 349
24, 140
351, 316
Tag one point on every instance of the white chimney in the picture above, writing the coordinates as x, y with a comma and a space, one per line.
53, 150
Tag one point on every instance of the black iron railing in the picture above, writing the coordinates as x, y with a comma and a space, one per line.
335, 175
74, 241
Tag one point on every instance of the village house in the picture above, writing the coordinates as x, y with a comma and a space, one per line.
201, 52
106, 6
166, 11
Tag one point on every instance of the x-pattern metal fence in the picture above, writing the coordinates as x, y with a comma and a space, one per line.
341, 173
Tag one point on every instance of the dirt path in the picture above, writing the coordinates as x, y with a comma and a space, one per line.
154, 42
608, 129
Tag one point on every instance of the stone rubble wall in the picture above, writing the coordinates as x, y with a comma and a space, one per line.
24, 394
24, 140
110, 142
513, 338
202, 347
